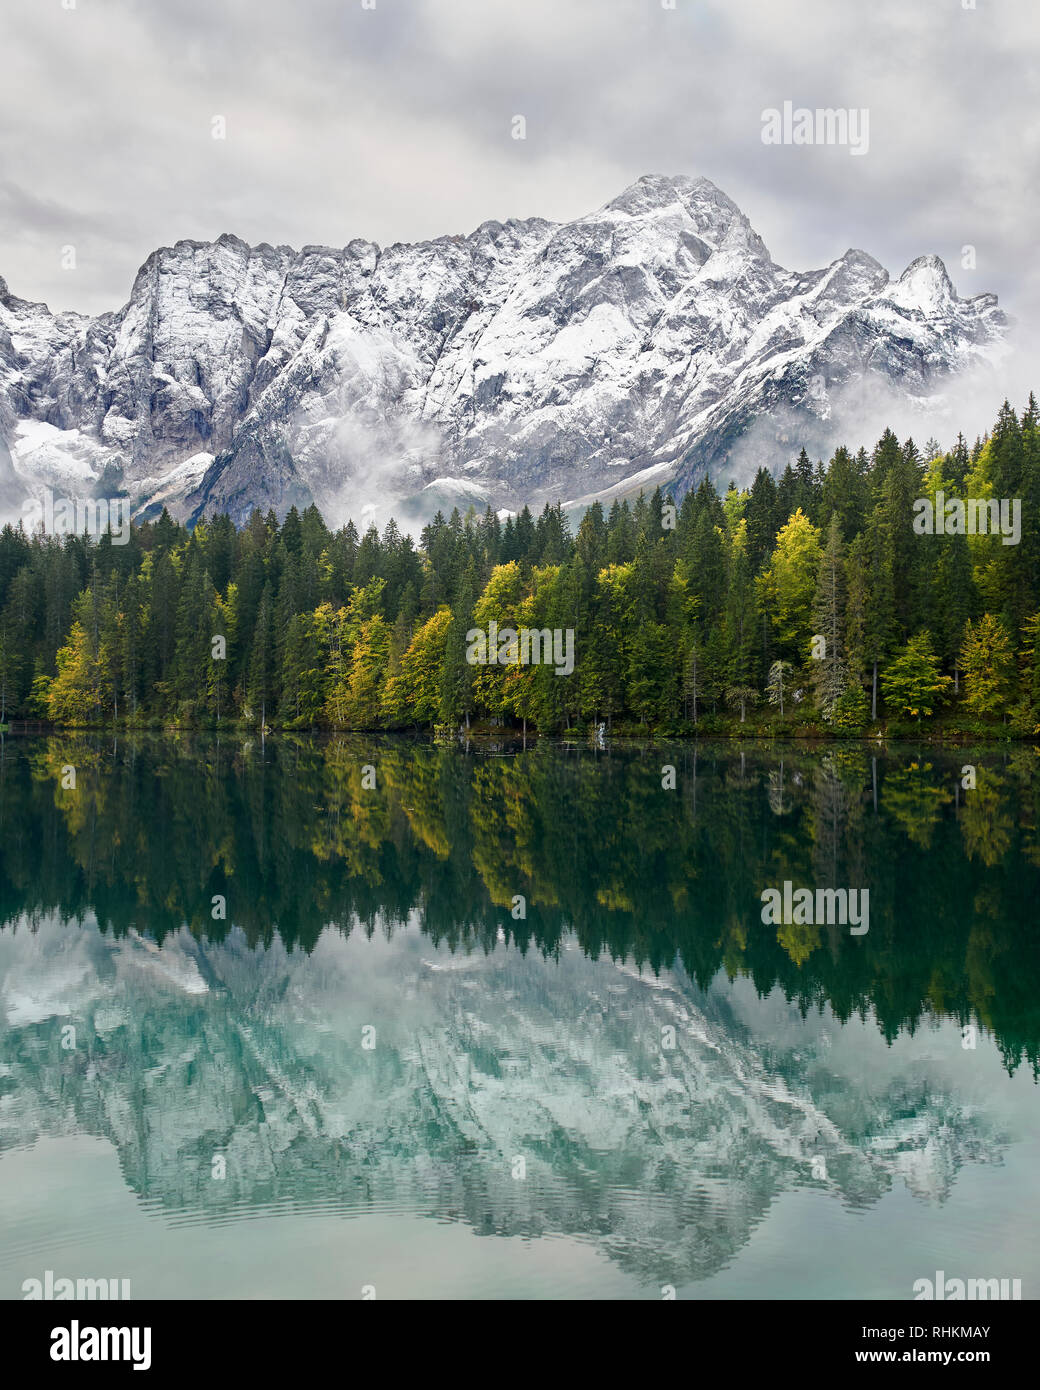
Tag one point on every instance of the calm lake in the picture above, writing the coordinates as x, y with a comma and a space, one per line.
331, 1018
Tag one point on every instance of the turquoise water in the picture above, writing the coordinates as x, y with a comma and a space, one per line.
328, 1018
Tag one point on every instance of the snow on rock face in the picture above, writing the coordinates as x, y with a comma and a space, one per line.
58, 458
537, 361
923, 288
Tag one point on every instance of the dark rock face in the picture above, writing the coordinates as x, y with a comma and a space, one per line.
526, 362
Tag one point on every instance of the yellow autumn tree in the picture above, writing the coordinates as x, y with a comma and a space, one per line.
74, 694
414, 692
499, 603
367, 670
787, 587
987, 662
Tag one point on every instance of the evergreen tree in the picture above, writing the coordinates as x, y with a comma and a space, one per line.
741, 624
260, 690
912, 683
829, 665
987, 663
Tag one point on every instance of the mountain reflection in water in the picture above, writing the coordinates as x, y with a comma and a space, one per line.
327, 985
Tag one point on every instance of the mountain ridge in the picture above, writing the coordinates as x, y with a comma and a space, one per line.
526, 361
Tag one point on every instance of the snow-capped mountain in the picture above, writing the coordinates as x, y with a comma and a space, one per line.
528, 361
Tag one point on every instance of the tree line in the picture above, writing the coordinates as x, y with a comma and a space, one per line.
804, 602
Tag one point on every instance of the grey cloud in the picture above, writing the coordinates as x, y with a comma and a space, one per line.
393, 124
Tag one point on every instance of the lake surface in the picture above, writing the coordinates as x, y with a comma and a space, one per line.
329, 1017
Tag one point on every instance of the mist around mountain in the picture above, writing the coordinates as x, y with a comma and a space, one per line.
649, 343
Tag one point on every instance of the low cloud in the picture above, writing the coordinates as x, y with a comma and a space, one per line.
394, 123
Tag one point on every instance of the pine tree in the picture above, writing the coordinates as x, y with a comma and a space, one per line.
261, 689
987, 663
879, 624
912, 683
761, 517
829, 666
457, 692
741, 623
778, 685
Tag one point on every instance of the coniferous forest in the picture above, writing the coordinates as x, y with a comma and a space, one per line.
702, 617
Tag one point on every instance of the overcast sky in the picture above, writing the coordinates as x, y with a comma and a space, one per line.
395, 124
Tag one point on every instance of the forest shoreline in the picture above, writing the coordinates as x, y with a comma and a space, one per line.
877, 736
810, 606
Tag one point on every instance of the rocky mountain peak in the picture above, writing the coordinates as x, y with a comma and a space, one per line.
526, 361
